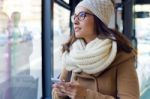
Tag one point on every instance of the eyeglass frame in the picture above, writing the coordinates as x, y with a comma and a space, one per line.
80, 18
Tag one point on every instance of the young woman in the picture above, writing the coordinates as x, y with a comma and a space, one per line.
101, 60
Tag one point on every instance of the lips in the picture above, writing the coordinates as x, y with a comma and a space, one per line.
76, 29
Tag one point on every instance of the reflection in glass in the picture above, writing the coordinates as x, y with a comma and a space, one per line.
20, 49
61, 33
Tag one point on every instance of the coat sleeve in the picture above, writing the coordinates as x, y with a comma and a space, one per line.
97, 95
63, 76
127, 83
127, 80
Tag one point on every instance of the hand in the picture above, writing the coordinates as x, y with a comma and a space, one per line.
74, 90
58, 88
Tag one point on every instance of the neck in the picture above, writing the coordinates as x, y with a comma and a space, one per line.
87, 40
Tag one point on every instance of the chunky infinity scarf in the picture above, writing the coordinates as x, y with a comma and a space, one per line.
92, 58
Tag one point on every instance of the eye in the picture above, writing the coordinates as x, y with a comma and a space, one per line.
82, 14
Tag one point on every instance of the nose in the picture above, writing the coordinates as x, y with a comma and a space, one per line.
76, 20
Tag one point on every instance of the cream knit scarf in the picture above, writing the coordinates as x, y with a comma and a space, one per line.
92, 58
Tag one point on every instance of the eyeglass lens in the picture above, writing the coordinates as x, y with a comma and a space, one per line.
80, 16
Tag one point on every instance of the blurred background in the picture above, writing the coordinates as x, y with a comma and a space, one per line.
20, 42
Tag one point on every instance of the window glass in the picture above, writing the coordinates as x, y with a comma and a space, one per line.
20, 49
142, 23
67, 1
61, 33
116, 21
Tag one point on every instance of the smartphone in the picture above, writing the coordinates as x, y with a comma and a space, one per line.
55, 80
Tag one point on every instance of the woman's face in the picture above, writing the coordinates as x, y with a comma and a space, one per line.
83, 21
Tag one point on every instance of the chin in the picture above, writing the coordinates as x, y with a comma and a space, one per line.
78, 35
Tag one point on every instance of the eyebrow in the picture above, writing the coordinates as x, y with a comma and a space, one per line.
84, 12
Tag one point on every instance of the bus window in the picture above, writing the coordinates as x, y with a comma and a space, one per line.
142, 22
61, 34
20, 49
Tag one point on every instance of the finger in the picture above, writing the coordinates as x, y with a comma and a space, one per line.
69, 84
65, 87
72, 84
55, 86
68, 93
60, 94
59, 84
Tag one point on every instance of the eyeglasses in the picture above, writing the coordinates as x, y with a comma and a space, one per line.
81, 16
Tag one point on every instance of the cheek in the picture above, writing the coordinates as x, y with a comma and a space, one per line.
88, 26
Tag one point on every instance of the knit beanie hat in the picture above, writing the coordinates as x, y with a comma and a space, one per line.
103, 9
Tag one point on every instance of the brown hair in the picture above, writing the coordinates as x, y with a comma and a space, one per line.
103, 32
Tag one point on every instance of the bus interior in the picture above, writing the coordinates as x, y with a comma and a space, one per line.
32, 31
